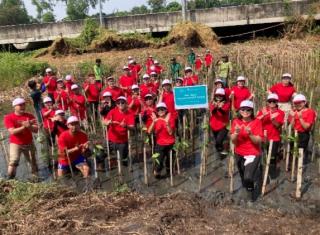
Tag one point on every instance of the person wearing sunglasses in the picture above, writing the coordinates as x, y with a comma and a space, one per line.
147, 87
219, 119
240, 92
285, 91
119, 120
302, 118
272, 120
247, 136
163, 126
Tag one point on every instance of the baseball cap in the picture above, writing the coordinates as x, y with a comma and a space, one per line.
218, 80
148, 95
125, 67
134, 86
286, 75
18, 101
59, 111
220, 91
145, 76
299, 98
161, 105
74, 86
72, 119
122, 98
48, 70
188, 69
166, 81
273, 96
246, 103
68, 77
241, 78
47, 99
107, 93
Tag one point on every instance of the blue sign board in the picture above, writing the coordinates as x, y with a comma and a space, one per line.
191, 97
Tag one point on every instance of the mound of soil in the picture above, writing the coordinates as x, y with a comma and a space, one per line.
131, 213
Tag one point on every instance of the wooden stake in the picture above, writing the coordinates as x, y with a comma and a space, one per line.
130, 152
69, 162
288, 148
6, 156
119, 165
231, 166
267, 168
178, 161
145, 167
171, 169
201, 170
95, 167
294, 155
299, 173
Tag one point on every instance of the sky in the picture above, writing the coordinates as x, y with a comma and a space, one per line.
108, 7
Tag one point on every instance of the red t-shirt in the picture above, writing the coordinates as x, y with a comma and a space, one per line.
208, 59
240, 94
198, 64
308, 115
219, 117
148, 112
148, 88
68, 141
93, 91
168, 99
47, 123
135, 69
244, 145
284, 92
273, 133
116, 133
68, 85
52, 84
162, 135
127, 82
63, 100
61, 129
115, 92
149, 62
78, 106
136, 107
14, 121
190, 81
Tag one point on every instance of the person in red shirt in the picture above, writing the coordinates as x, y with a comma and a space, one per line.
134, 101
147, 109
77, 103
68, 83
208, 59
163, 126
119, 120
147, 87
92, 90
218, 83
285, 91
272, 120
157, 67
126, 81
113, 89
154, 78
167, 97
135, 70
59, 123
149, 62
21, 125
198, 63
247, 136
72, 144
50, 83
61, 96
219, 119
47, 113
107, 104
302, 118
190, 79
240, 93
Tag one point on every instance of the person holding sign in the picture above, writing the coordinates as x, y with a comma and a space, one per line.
247, 136
163, 125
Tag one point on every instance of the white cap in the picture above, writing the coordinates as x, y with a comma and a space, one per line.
74, 86
134, 86
188, 69
299, 98
47, 99
287, 75
48, 70
59, 111
156, 62
122, 98
110, 77
150, 56
218, 80
107, 93
148, 95
68, 77
60, 80
131, 61
145, 76
153, 73
130, 57
72, 119
273, 96
246, 103
125, 67
241, 78
152, 67
18, 101
220, 91
161, 105
166, 81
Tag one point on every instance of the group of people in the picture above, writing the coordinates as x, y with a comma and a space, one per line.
145, 99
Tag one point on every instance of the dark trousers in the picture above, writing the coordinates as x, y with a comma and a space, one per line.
303, 142
164, 153
220, 136
123, 151
250, 174
274, 152
93, 110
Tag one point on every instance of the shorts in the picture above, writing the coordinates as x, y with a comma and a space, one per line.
77, 162
15, 150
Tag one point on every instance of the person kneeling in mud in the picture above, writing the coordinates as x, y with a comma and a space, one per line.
163, 125
72, 145
247, 135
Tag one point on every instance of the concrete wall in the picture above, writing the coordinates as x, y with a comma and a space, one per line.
160, 22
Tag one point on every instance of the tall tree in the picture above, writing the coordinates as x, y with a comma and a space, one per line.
157, 5
140, 10
173, 6
48, 17
44, 10
13, 12
78, 9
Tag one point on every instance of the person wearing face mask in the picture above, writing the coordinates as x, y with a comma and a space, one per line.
219, 119
302, 118
163, 125
247, 136
285, 91
272, 120
240, 93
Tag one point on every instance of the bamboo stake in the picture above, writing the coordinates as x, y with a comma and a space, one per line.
6, 156
231, 166
267, 168
184, 130
288, 148
130, 152
145, 167
119, 165
69, 162
171, 169
95, 167
299, 175
178, 161
201, 170
294, 155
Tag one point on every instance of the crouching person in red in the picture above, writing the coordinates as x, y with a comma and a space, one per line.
72, 144
163, 125
247, 135
21, 125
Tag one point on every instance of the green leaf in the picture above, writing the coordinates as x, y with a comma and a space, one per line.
98, 146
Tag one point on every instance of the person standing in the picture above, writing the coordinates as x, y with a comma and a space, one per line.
21, 125
190, 79
50, 82
126, 81
77, 103
225, 70
92, 90
240, 93
98, 73
35, 95
175, 68
208, 59
113, 89
191, 58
